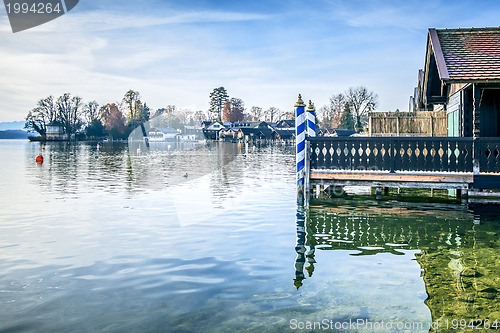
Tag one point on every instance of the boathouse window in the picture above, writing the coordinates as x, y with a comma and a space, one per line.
453, 129
453, 114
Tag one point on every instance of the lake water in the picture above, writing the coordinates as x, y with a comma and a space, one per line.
209, 238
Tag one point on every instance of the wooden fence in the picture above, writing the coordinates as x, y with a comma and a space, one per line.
419, 123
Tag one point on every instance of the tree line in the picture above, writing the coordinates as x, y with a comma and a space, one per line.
348, 110
116, 120
88, 120
232, 109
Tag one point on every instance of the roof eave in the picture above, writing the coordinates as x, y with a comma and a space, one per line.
471, 80
438, 54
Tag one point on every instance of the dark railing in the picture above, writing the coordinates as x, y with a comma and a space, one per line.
487, 151
432, 154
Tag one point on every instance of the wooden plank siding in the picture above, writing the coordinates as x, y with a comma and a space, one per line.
419, 123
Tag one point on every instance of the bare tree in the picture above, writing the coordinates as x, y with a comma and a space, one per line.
256, 113
91, 111
361, 101
290, 115
185, 115
272, 114
330, 115
69, 112
200, 116
137, 112
39, 117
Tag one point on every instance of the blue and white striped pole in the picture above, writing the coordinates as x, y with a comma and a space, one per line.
311, 120
300, 137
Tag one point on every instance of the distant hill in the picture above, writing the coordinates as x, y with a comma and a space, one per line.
13, 125
14, 134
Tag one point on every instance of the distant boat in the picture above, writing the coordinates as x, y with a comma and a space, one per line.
44, 139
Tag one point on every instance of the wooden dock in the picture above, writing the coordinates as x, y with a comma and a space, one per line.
463, 164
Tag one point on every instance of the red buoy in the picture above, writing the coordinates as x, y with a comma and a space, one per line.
39, 159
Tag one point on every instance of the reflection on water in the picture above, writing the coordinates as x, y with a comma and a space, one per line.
456, 248
208, 238
303, 254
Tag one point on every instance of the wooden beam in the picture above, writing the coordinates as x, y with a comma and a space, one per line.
426, 178
436, 99
342, 183
476, 100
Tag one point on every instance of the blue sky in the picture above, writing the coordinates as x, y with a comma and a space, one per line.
264, 52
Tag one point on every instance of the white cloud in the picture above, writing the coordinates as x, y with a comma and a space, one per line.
93, 21
178, 57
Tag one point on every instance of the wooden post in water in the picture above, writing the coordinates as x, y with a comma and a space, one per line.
300, 137
310, 119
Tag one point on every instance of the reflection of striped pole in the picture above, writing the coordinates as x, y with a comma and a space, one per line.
300, 137
311, 120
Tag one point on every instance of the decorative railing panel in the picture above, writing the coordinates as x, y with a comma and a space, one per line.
487, 151
435, 154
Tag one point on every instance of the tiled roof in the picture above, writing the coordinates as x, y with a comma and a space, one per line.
468, 54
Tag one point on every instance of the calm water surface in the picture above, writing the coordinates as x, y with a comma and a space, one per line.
209, 238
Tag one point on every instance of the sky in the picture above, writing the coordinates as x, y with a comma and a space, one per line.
265, 52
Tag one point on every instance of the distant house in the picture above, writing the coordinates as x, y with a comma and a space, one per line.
229, 134
55, 132
285, 124
344, 132
261, 124
253, 124
211, 130
284, 134
196, 131
462, 77
254, 133
163, 134
322, 132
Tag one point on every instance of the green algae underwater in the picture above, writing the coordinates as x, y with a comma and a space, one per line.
456, 246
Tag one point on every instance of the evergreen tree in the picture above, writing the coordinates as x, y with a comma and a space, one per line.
347, 120
218, 97
95, 129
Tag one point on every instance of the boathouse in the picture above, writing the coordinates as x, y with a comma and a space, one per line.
285, 125
461, 77
283, 134
254, 133
163, 134
55, 132
458, 90
211, 130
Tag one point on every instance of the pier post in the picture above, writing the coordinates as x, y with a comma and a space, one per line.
463, 195
300, 137
310, 125
311, 120
307, 171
